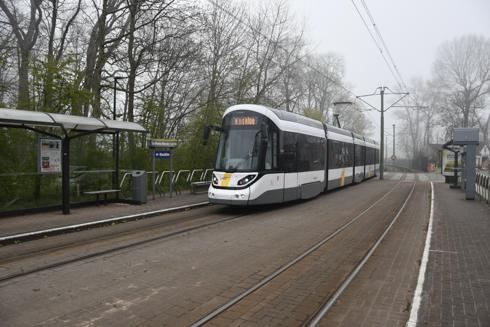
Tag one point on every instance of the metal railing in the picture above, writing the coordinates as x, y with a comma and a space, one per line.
483, 186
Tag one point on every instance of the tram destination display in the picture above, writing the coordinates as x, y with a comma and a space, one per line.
49, 155
244, 121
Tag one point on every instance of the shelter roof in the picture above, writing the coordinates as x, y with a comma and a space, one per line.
23, 118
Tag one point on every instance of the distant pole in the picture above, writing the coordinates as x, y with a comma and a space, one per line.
171, 171
386, 146
382, 139
393, 140
65, 174
153, 176
382, 111
115, 144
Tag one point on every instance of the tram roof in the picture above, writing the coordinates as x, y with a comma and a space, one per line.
26, 118
296, 118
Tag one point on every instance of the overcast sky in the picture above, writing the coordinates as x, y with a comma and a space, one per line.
412, 29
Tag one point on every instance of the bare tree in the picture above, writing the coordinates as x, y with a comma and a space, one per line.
462, 69
6, 71
269, 33
353, 119
105, 36
26, 30
223, 38
59, 21
323, 78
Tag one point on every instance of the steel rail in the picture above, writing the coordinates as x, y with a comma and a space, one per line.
119, 248
77, 227
288, 265
324, 310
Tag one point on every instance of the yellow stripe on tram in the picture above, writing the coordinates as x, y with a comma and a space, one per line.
226, 180
342, 177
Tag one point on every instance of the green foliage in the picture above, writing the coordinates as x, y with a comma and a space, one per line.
59, 86
155, 116
192, 153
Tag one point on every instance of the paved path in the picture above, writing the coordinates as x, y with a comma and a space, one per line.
457, 286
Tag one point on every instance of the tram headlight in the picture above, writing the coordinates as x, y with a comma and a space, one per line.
245, 180
215, 180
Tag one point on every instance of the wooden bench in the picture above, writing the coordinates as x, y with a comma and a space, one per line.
101, 192
203, 186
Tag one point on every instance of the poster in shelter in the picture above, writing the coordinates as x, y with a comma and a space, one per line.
448, 161
49, 155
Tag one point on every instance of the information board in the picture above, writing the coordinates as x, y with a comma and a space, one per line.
49, 155
448, 162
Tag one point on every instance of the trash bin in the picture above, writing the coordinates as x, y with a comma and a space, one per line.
140, 186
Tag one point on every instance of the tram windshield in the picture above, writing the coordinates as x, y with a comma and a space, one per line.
239, 144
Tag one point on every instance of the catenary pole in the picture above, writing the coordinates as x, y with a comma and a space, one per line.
393, 141
382, 139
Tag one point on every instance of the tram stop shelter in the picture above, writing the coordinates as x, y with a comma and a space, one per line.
66, 128
467, 140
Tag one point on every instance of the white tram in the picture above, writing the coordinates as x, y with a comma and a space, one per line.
270, 156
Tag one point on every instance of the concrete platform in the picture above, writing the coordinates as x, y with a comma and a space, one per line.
457, 283
47, 220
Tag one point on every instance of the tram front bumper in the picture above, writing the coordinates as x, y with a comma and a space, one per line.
230, 197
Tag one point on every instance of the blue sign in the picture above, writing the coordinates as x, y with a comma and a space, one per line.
163, 154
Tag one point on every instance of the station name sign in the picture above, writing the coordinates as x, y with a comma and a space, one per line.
163, 154
162, 143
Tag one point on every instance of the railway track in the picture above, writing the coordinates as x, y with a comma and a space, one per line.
173, 223
34, 235
176, 231
317, 315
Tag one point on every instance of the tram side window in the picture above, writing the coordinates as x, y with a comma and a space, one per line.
311, 153
287, 162
333, 158
371, 156
340, 154
358, 151
377, 156
316, 152
350, 154
271, 151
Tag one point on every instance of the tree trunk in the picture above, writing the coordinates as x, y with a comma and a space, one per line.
23, 88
